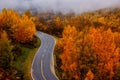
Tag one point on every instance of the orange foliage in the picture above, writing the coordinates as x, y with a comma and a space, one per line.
117, 39
8, 17
97, 48
70, 54
24, 30
107, 53
21, 29
89, 75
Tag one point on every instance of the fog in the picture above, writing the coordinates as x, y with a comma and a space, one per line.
77, 6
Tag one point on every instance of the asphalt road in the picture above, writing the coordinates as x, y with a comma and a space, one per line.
43, 63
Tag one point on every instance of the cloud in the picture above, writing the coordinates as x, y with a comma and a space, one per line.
60, 5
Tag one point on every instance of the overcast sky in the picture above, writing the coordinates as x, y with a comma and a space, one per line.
60, 5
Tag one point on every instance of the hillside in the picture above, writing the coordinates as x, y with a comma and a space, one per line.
18, 44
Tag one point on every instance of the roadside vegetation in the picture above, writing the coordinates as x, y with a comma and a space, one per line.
18, 44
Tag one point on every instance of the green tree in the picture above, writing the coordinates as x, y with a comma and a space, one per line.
6, 55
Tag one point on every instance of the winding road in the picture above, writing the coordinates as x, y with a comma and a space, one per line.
43, 63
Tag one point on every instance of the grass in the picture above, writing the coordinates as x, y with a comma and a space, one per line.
27, 65
24, 62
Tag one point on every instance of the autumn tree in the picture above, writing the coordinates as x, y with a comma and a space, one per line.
70, 53
6, 55
7, 19
15, 30
78, 57
107, 53
24, 30
94, 50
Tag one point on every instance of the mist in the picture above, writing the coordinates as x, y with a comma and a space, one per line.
65, 6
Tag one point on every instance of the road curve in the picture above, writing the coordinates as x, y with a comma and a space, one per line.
43, 63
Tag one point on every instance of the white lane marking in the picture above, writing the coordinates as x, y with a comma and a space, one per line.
42, 67
35, 56
52, 59
52, 67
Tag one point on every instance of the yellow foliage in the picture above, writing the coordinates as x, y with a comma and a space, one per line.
24, 30
20, 28
58, 21
101, 20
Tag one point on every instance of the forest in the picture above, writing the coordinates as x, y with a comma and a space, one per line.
87, 48
88, 44
17, 42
